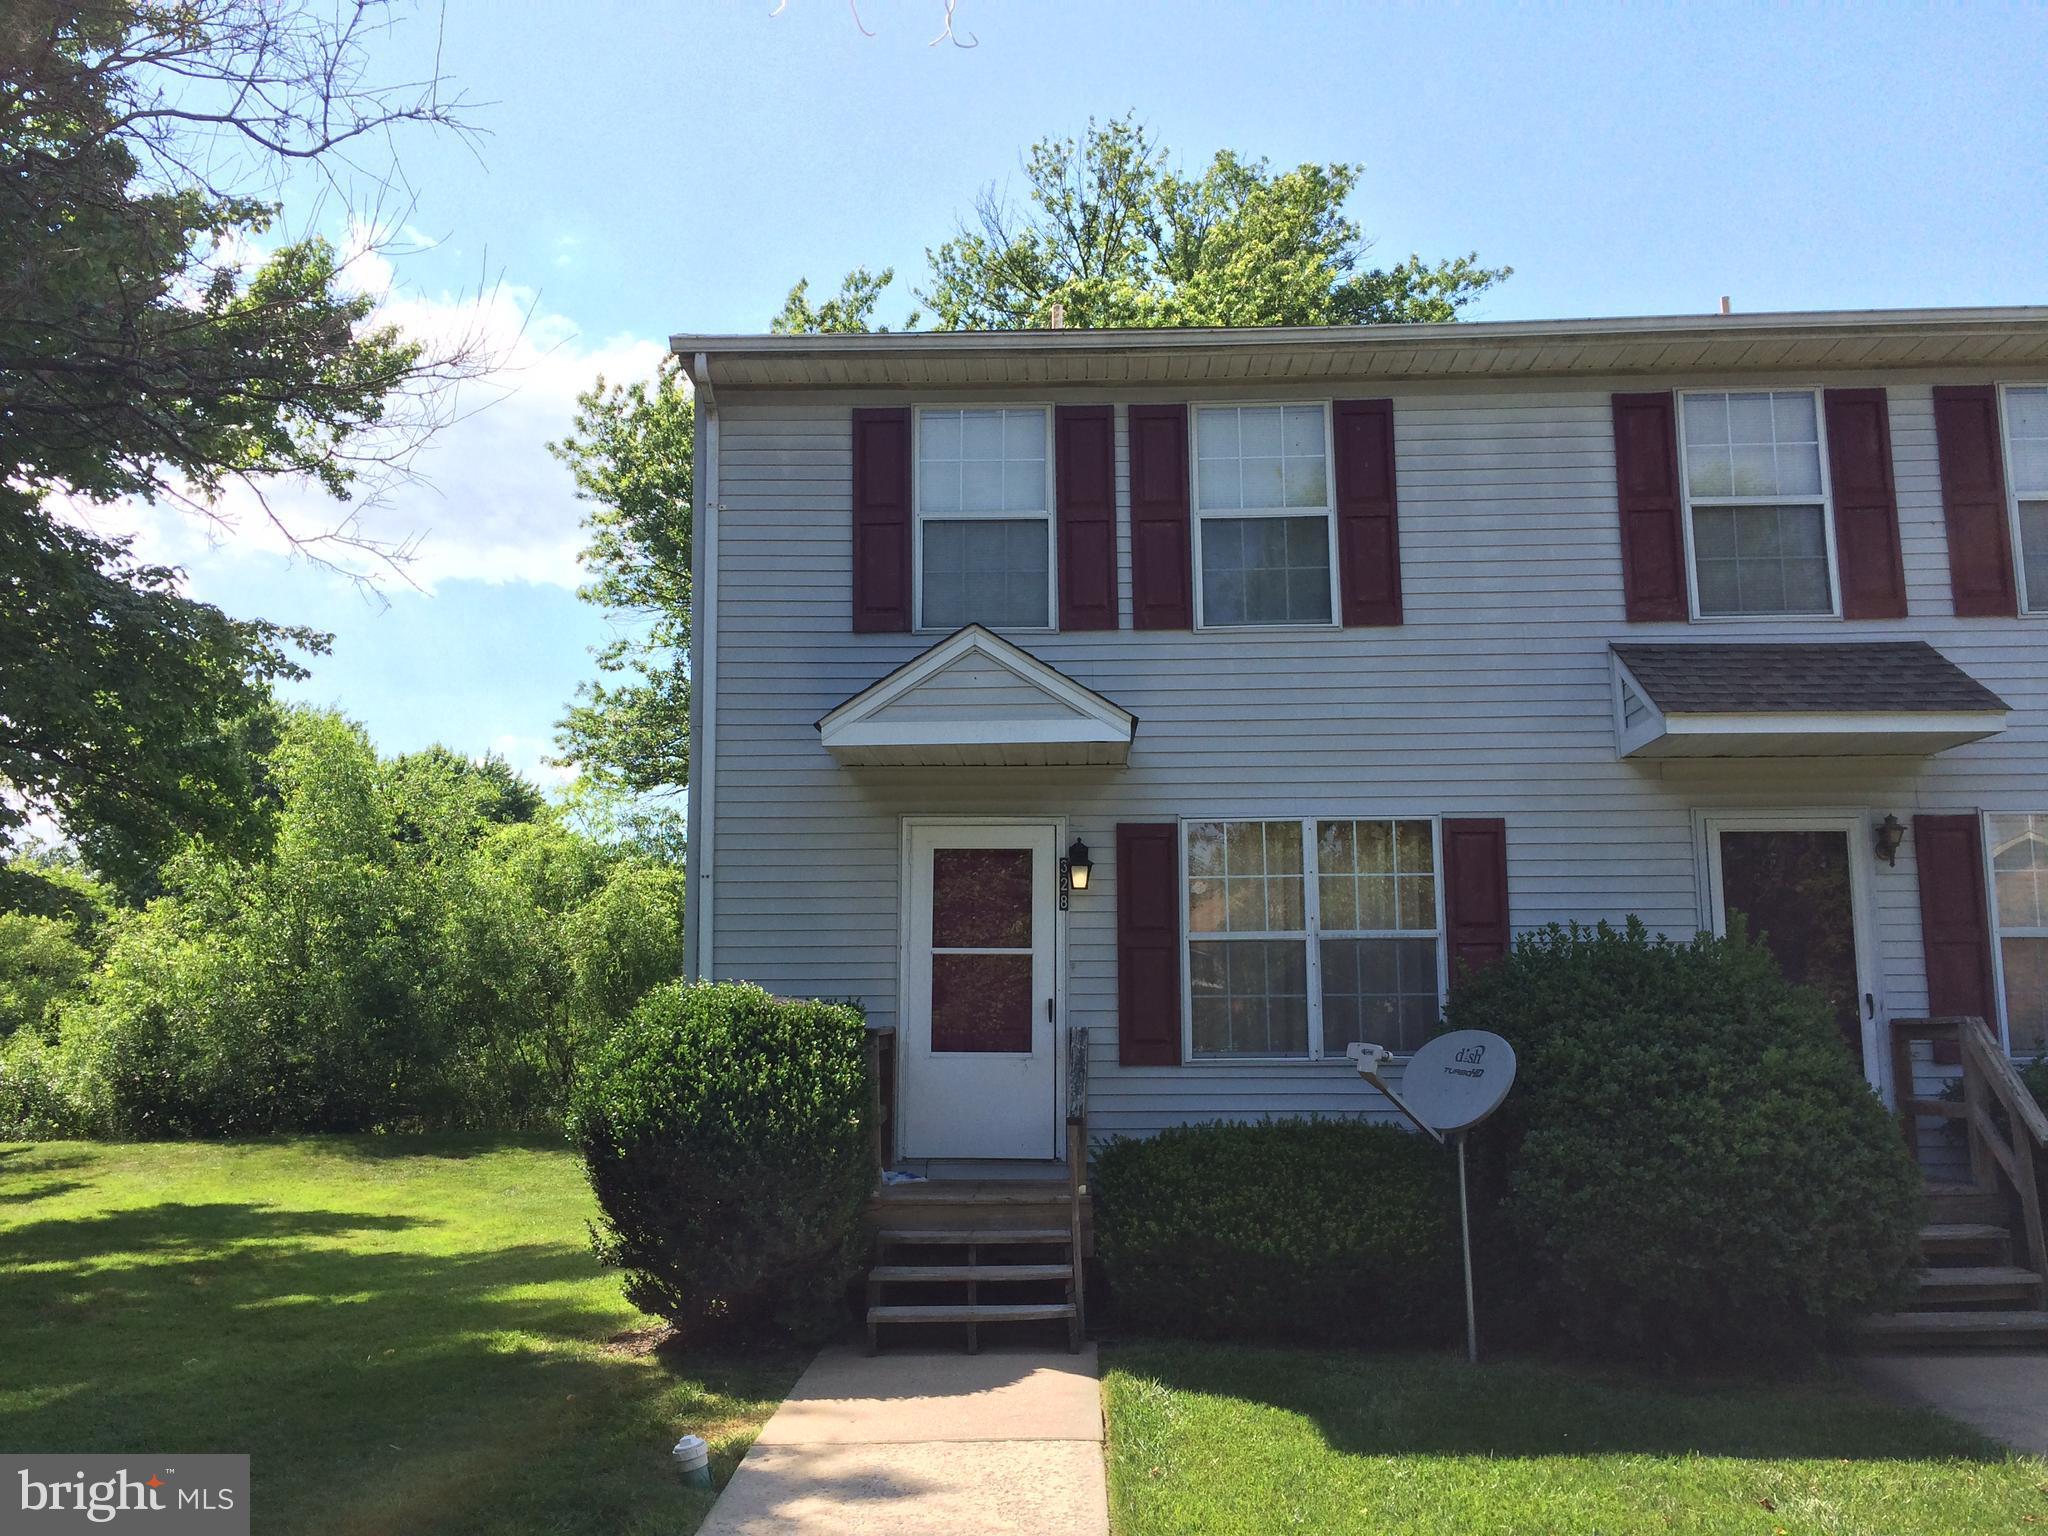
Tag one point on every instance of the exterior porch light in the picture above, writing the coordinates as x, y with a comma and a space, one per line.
1078, 866
1890, 833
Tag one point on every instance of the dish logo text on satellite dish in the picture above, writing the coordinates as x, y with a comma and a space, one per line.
1469, 1058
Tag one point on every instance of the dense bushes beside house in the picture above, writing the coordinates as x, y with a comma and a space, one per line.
1691, 1164
727, 1139
424, 945
1318, 1231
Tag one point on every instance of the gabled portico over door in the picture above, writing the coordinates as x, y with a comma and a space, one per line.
978, 1027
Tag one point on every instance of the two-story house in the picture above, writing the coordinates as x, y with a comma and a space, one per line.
1216, 695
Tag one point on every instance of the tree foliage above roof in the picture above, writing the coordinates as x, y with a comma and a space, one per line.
1111, 234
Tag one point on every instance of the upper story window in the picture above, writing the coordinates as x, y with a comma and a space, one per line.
2019, 876
1265, 533
2026, 457
1756, 504
984, 519
1305, 936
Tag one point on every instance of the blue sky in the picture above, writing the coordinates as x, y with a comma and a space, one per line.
657, 167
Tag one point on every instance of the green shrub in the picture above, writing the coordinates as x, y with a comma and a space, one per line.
42, 967
726, 1136
1690, 1165
2035, 1075
1322, 1231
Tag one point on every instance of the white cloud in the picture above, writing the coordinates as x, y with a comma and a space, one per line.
489, 502
530, 755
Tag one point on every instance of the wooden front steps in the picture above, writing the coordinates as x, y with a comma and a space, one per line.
969, 1253
1971, 1293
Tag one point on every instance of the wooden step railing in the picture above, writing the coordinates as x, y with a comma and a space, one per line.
2012, 1141
881, 1052
1077, 1157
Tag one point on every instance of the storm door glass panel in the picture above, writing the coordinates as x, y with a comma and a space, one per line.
2019, 874
1247, 938
1793, 890
982, 949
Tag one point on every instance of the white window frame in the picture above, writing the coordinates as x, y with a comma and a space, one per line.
918, 517
1999, 932
1312, 934
1197, 515
1826, 501
2028, 607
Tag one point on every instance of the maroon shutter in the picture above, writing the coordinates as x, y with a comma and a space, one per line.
1148, 944
1084, 446
1955, 925
1866, 504
1646, 485
1476, 892
1966, 439
1161, 580
1368, 525
881, 521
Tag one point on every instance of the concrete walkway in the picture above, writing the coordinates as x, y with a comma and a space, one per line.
2002, 1395
928, 1445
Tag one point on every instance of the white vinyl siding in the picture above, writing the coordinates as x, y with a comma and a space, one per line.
2019, 909
1758, 535
984, 518
1495, 698
2026, 465
1265, 528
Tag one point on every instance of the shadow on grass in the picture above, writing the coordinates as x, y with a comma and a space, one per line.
384, 1372
1438, 1405
47, 1190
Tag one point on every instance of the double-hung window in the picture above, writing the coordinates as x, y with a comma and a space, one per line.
2019, 877
984, 519
2026, 459
1305, 936
1265, 533
1756, 502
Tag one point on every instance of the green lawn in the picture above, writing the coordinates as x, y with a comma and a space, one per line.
1213, 1439
408, 1335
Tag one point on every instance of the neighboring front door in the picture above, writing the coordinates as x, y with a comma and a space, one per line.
1798, 885
977, 1021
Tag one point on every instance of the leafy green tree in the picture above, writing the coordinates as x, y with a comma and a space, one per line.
849, 310
629, 450
398, 958
1115, 237
42, 965
151, 347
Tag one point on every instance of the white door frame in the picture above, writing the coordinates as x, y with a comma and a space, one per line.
1855, 825
1054, 1149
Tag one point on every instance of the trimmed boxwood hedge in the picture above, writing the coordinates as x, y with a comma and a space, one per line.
726, 1136
1691, 1165
1318, 1231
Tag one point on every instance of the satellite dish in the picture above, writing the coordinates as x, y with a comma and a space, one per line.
1457, 1080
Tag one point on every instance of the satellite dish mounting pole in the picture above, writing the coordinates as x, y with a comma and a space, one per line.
1454, 1081
1465, 1232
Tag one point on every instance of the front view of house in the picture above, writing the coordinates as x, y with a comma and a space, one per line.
1148, 716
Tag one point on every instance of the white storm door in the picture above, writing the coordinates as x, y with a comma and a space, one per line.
977, 1020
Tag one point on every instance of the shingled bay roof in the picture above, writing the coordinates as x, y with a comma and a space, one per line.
1886, 677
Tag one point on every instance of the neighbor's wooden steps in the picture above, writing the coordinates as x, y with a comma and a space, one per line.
974, 1252
1970, 1291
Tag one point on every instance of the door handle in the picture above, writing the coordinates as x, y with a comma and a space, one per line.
1869, 1006
1048, 1010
